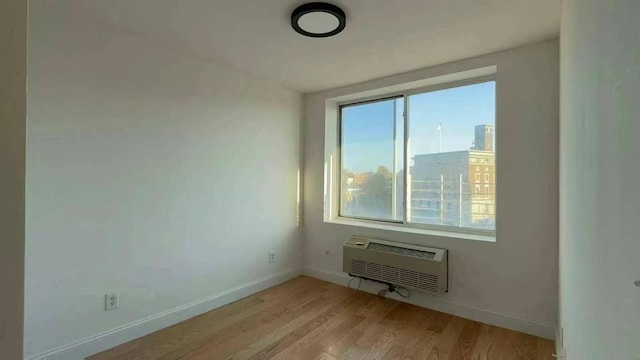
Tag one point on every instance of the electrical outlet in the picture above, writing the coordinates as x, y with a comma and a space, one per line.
272, 256
327, 254
111, 301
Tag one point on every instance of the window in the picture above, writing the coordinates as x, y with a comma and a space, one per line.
399, 155
373, 157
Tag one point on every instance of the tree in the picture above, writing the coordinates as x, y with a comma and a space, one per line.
376, 196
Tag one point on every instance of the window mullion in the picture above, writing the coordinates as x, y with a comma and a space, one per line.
406, 189
394, 167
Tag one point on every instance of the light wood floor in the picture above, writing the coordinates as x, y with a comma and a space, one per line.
308, 319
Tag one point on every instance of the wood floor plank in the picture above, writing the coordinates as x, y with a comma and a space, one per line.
345, 315
423, 347
241, 338
395, 319
280, 322
308, 333
354, 352
467, 340
485, 344
380, 347
525, 346
447, 339
227, 335
513, 345
338, 343
267, 342
439, 322
545, 348
325, 356
307, 318
411, 333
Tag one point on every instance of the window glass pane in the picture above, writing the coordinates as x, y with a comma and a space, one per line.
371, 148
452, 149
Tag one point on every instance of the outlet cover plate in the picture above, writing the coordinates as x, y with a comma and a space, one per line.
111, 301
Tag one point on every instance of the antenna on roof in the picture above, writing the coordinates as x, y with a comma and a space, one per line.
440, 136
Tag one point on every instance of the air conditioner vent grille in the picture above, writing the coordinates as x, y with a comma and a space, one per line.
358, 266
394, 275
427, 282
409, 277
374, 270
390, 274
401, 251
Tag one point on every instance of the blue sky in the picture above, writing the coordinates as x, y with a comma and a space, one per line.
367, 134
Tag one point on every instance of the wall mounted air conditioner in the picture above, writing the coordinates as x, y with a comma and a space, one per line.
417, 267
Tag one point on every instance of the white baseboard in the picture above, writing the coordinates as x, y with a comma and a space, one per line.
106, 340
543, 330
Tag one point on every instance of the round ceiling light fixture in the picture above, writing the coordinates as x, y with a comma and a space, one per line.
318, 19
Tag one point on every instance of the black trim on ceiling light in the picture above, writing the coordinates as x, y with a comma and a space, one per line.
318, 7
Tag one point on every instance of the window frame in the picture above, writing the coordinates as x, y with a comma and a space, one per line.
339, 156
403, 225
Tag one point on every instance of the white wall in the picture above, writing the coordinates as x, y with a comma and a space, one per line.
149, 172
512, 282
600, 151
13, 95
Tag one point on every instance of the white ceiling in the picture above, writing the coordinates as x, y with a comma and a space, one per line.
382, 37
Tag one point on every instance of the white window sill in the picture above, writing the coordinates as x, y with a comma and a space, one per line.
411, 229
